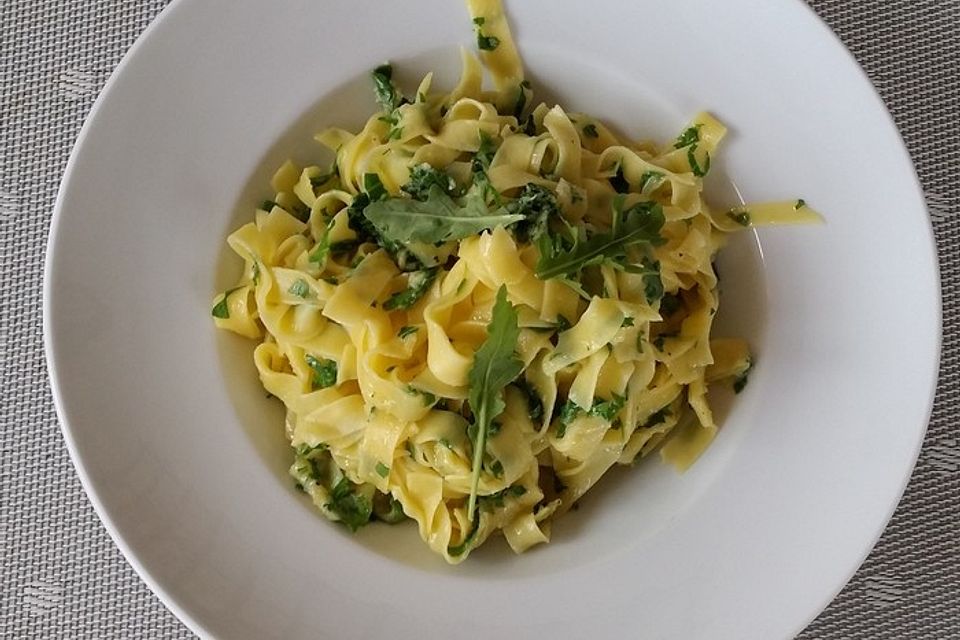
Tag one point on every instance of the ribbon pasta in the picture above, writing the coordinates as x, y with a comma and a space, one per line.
369, 340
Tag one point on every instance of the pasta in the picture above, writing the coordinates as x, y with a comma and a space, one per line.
486, 303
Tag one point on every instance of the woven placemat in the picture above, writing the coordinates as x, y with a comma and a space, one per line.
62, 577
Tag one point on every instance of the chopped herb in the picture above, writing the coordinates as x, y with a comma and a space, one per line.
255, 272
428, 398
299, 288
221, 309
562, 323
495, 365
484, 42
740, 216
657, 417
423, 177
608, 409
324, 371
534, 403
322, 249
640, 223
479, 165
458, 550
799, 205
521, 101
418, 283
438, 219
354, 509
694, 165
690, 135
650, 177
497, 500
590, 131
497, 469
407, 331
537, 205
382, 470
627, 322
319, 181
386, 93
387, 508
268, 205
494, 429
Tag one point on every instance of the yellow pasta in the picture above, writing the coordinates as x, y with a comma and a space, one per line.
378, 288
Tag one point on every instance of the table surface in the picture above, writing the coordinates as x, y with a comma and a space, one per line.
62, 575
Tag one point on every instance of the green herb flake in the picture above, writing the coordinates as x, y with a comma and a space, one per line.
407, 331
740, 216
423, 178
382, 470
627, 322
590, 131
690, 135
800, 204
650, 177
418, 283
484, 42
222, 309
695, 165
608, 409
299, 288
497, 469
495, 365
268, 205
354, 509
538, 205
386, 93
324, 371
657, 417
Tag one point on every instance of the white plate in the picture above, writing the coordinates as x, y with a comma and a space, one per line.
184, 458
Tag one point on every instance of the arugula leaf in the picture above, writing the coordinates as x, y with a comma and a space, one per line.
353, 508
221, 309
537, 205
640, 223
324, 371
690, 135
423, 177
418, 283
495, 365
590, 131
386, 93
438, 219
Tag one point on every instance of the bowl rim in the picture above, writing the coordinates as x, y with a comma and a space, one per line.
56, 383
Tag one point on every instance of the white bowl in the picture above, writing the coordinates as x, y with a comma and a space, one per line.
184, 458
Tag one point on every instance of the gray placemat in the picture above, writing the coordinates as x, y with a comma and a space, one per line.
62, 577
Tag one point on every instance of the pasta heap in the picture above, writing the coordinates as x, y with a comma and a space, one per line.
485, 304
